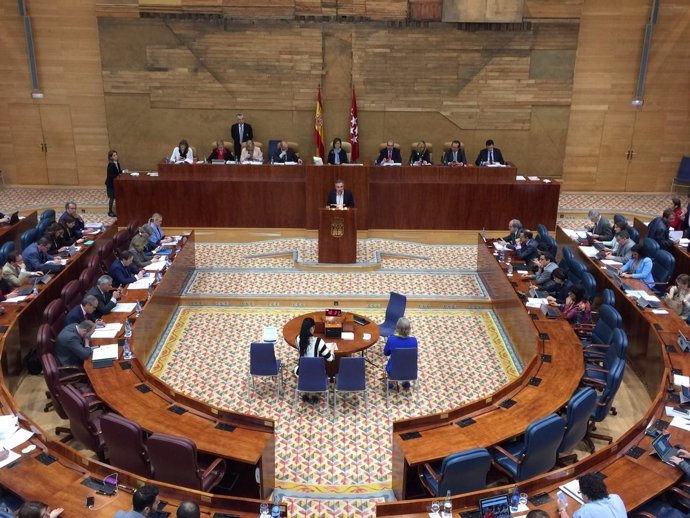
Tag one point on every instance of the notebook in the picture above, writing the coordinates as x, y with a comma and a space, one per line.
645, 303
664, 449
495, 507
536, 293
550, 311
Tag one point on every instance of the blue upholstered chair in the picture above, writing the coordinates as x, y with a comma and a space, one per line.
394, 310
580, 407
551, 243
48, 214
604, 405
28, 237
5, 249
458, 473
404, 369
662, 269
536, 453
43, 226
542, 230
351, 378
602, 332
608, 297
589, 284
312, 378
634, 234
600, 357
566, 259
649, 247
263, 363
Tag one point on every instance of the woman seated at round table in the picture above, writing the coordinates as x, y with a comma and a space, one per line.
221, 153
576, 309
251, 153
182, 153
400, 339
337, 154
137, 247
420, 156
678, 297
638, 267
312, 346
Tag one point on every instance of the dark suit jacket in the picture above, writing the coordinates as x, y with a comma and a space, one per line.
658, 231
603, 229
247, 134
416, 157
76, 315
226, 156
105, 302
484, 156
397, 157
448, 157
77, 229
348, 199
120, 274
290, 156
112, 172
69, 347
528, 251
512, 237
342, 154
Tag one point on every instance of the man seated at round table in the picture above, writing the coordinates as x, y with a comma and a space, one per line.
340, 197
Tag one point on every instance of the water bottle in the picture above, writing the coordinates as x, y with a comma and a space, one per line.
515, 500
510, 267
158, 277
127, 352
150, 292
484, 233
34, 291
137, 309
501, 255
177, 248
275, 509
447, 506
128, 329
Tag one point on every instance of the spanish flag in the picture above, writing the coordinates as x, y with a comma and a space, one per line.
318, 126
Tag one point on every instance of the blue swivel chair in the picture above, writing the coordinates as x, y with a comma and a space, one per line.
608, 297
649, 247
662, 269
634, 234
458, 473
602, 332
600, 357
351, 378
5, 249
551, 243
589, 284
536, 453
542, 230
567, 258
48, 214
43, 226
604, 405
263, 364
394, 310
404, 369
28, 237
312, 378
580, 407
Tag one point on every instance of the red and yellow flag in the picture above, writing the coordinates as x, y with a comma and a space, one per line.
318, 126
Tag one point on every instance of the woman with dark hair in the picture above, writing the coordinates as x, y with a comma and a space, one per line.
677, 221
638, 267
55, 233
560, 287
37, 510
112, 172
182, 153
337, 154
577, 309
310, 345
597, 500
69, 234
677, 297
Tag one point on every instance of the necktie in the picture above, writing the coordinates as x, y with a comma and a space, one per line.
491, 157
390, 154
241, 132
455, 156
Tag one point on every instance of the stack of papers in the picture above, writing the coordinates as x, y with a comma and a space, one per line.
124, 307
589, 251
520, 178
681, 422
610, 262
535, 303
572, 489
681, 381
155, 266
142, 284
20, 298
109, 331
347, 335
17, 438
533, 178
105, 352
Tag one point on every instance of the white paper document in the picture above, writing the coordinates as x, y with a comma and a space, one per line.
675, 235
347, 335
10, 459
142, 284
534, 178
20, 298
124, 307
610, 262
366, 336
572, 489
535, 302
520, 178
109, 331
105, 352
660, 312
681, 381
681, 422
589, 251
155, 266
17, 438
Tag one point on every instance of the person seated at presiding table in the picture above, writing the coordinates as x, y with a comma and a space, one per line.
560, 287
337, 154
400, 339
144, 503
251, 153
221, 153
340, 197
515, 227
546, 266
526, 247
576, 308
638, 266
122, 269
72, 344
14, 272
489, 155
37, 258
137, 247
598, 502
420, 155
106, 296
284, 154
182, 153
598, 226
622, 250
659, 228
71, 211
35, 509
312, 346
389, 154
455, 156
83, 311
678, 297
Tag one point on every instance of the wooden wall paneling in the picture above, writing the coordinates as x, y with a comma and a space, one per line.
28, 165
550, 9
262, 9
59, 138
616, 139
386, 9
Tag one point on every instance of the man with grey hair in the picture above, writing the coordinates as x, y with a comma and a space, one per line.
83, 311
188, 509
71, 210
72, 344
599, 226
241, 132
515, 228
105, 295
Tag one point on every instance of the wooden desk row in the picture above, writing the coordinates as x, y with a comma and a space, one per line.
205, 195
635, 480
680, 254
249, 447
14, 232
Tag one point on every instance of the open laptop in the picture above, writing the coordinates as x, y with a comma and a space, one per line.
536, 293
550, 311
613, 273
14, 218
495, 507
664, 449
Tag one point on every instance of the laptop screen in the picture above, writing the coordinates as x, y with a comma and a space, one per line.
661, 445
495, 507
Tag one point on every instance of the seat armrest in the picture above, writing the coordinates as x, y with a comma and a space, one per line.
602, 347
213, 466
593, 383
507, 454
645, 514
431, 472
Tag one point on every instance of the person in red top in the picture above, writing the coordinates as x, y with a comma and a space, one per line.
221, 153
677, 220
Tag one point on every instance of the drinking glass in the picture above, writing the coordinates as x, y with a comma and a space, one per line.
523, 499
435, 506
264, 510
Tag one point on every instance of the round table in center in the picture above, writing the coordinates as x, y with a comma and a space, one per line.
345, 347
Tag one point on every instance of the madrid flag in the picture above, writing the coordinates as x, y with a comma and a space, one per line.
354, 127
318, 126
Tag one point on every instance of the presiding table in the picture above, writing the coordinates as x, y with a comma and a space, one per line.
345, 347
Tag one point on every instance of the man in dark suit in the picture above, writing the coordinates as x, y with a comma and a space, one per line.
659, 227
241, 132
72, 344
105, 295
122, 271
389, 155
83, 311
37, 259
284, 153
340, 197
71, 210
515, 227
599, 226
455, 156
489, 155
528, 250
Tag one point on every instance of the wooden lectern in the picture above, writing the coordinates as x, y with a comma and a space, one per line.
337, 235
